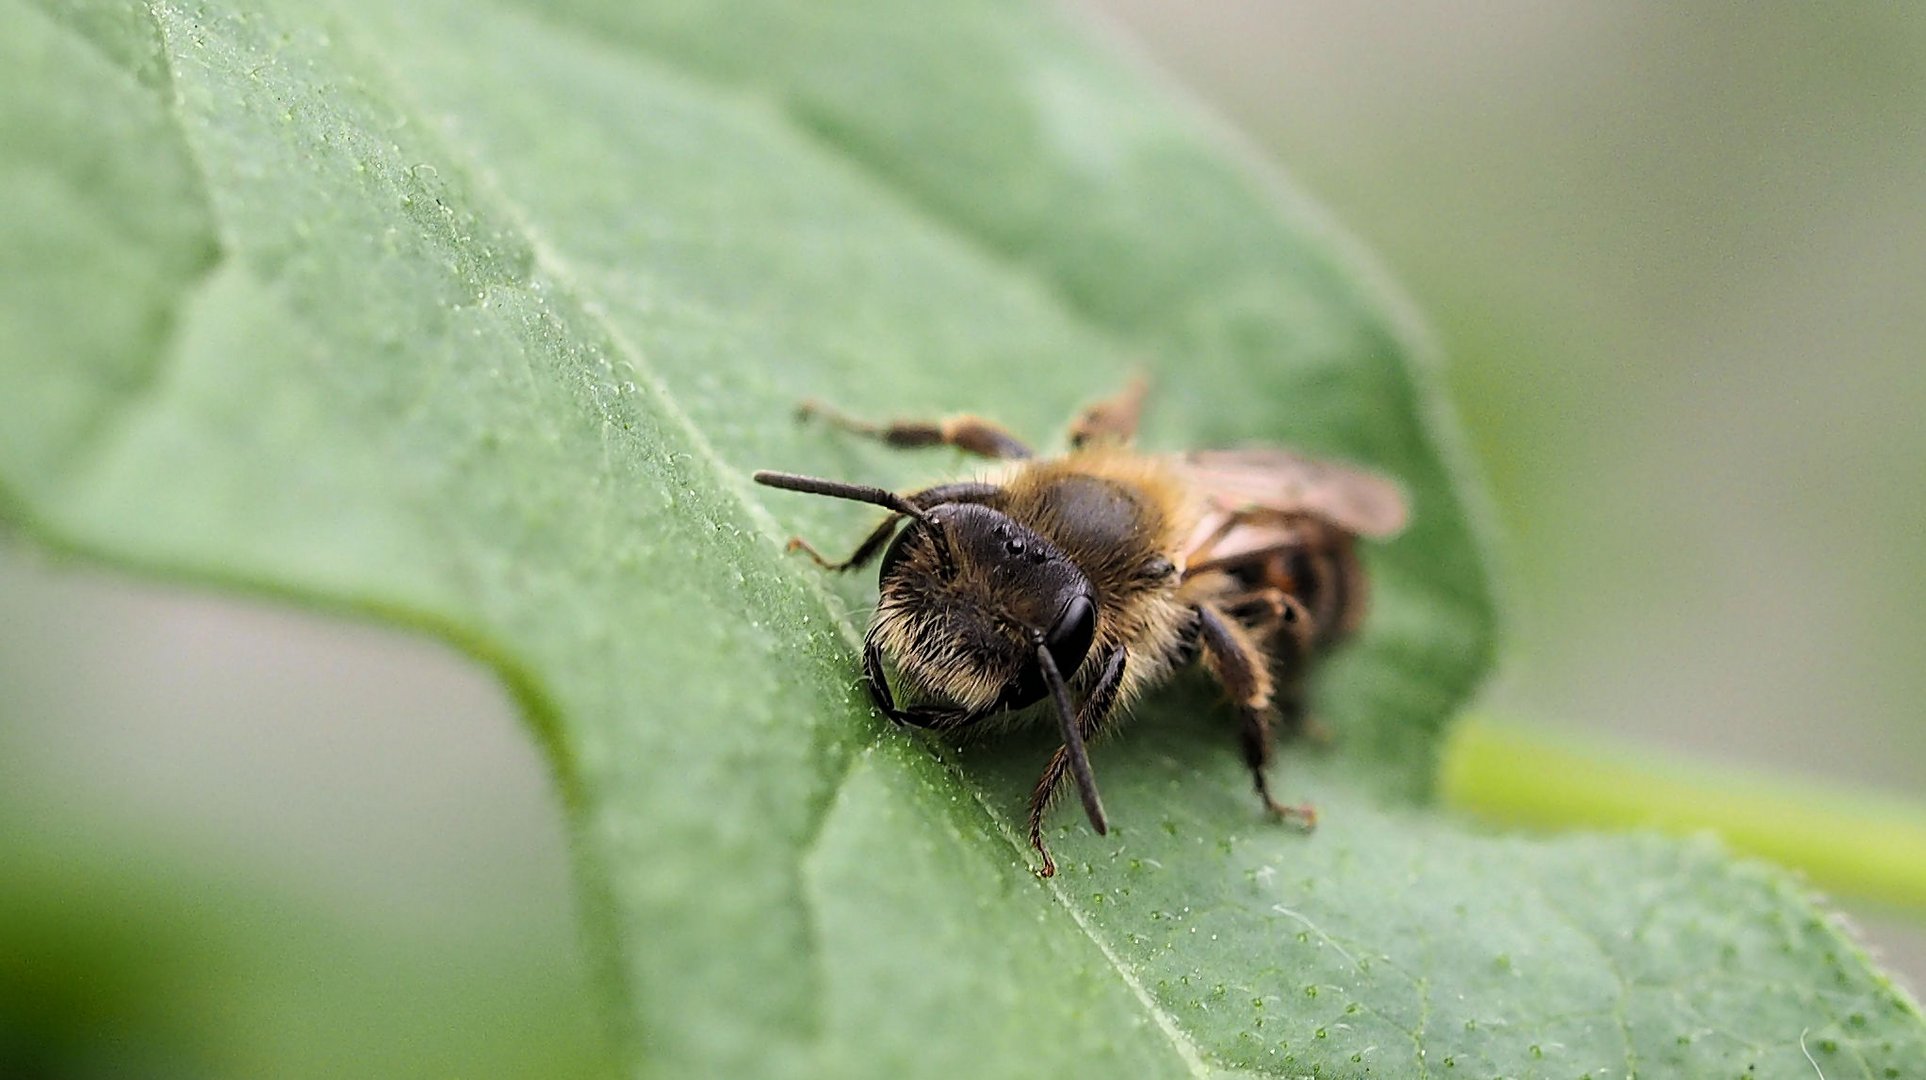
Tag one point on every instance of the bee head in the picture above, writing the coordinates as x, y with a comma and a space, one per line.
967, 597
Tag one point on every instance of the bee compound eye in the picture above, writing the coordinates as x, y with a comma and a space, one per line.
1070, 636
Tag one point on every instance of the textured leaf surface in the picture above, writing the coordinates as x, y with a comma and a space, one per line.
475, 316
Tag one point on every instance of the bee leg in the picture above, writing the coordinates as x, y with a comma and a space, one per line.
879, 685
970, 434
963, 491
1090, 720
873, 678
1274, 615
1240, 666
863, 553
1265, 611
1114, 419
1296, 720
939, 717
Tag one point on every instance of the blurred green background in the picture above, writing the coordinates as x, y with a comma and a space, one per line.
1677, 260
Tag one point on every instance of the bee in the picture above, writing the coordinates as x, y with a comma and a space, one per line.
1085, 580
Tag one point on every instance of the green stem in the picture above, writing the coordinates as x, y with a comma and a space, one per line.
1870, 846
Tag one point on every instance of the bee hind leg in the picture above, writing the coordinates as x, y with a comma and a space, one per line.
1239, 665
970, 434
1114, 419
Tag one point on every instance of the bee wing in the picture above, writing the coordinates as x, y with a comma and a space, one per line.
1275, 486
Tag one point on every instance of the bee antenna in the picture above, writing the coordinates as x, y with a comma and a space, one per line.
863, 493
836, 489
1072, 738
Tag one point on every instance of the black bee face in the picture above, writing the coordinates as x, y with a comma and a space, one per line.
967, 596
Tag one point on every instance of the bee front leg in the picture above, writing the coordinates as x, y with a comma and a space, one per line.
936, 717
1240, 666
1090, 720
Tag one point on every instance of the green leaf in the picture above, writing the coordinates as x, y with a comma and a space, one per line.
475, 317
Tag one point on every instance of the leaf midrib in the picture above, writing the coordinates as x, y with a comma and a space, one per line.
548, 257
